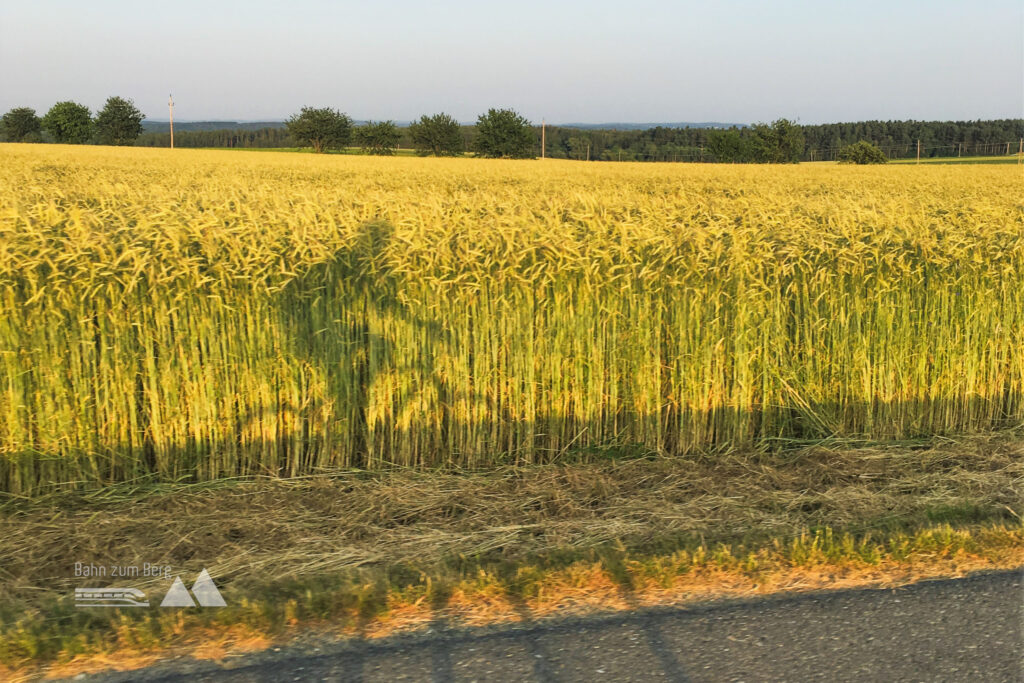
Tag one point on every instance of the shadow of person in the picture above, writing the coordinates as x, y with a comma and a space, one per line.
368, 355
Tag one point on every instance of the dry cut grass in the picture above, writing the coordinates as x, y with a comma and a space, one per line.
271, 530
369, 555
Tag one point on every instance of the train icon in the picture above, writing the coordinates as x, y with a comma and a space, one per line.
110, 597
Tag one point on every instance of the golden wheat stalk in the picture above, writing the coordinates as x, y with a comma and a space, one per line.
209, 314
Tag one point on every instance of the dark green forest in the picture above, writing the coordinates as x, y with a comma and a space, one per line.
234, 137
898, 139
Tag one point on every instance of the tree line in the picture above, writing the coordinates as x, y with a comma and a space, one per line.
900, 138
267, 137
505, 133
499, 133
261, 138
118, 123
820, 142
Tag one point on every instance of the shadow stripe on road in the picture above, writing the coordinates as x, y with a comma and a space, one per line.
350, 657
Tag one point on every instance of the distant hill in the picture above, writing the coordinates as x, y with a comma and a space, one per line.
647, 126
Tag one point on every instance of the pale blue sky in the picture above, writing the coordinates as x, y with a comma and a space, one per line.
592, 61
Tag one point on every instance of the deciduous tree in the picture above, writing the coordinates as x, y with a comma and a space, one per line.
379, 138
862, 152
728, 146
69, 122
439, 135
118, 123
503, 133
20, 125
320, 129
780, 142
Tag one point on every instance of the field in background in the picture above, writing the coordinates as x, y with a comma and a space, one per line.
1012, 159
309, 150
198, 314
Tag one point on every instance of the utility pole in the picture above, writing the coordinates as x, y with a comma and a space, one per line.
918, 151
588, 151
170, 108
1020, 152
543, 140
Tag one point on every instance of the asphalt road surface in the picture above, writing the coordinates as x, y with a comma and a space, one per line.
951, 630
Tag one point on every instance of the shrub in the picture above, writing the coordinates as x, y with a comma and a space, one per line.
862, 152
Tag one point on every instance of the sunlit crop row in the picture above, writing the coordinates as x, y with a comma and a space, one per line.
206, 314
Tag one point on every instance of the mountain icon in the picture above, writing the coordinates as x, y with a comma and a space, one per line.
204, 589
177, 596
